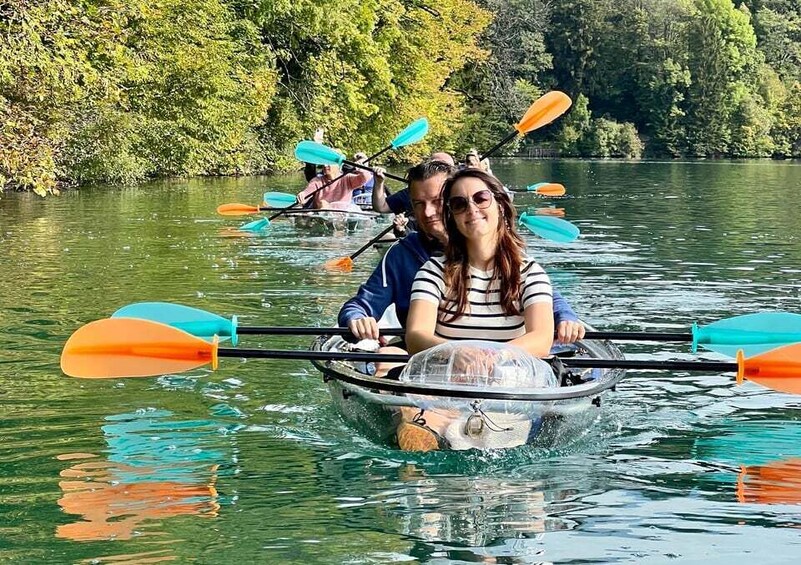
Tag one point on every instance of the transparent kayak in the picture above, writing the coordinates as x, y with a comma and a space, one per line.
505, 408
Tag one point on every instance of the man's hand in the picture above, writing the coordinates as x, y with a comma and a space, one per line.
569, 332
399, 223
364, 328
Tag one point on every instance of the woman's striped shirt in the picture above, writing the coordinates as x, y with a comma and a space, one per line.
484, 317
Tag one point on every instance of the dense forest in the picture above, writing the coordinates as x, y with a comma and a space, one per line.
119, 91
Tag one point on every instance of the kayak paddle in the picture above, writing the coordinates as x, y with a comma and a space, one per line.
206, 325
319, 154
255, 225
556, 212
236, 209
278, 199
128, 347
753, 333
548, 227
545, 189
542, 112
412, 133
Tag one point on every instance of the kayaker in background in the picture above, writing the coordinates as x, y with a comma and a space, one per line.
391, 282
361, 157
485, 287
471, 160
338, 194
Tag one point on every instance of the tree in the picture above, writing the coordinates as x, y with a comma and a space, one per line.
501, 87
722, 59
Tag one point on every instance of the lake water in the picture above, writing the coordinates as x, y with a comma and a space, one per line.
252, 464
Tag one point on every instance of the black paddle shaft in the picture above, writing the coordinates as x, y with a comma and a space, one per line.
267, 330
369, 244
288, 330
712, 366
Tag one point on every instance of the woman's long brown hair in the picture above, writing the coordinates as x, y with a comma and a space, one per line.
508, 256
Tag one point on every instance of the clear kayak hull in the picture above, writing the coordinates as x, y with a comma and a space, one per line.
541, 416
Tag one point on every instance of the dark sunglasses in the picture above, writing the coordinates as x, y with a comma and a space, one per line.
482, 199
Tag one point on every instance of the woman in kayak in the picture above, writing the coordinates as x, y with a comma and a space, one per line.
485, 287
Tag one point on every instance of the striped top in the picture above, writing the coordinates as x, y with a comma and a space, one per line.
484, 317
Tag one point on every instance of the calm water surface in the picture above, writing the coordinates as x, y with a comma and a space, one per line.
251, 462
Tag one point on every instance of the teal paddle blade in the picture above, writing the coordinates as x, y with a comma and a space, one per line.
413, 133
534, 187
550, 228
317, 153
255, 225
197, 322
753, 333
279, 199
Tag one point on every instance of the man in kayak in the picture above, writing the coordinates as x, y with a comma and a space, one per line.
338, 194
400, 203
391, 282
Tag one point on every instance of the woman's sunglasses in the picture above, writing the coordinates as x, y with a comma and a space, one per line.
482, 199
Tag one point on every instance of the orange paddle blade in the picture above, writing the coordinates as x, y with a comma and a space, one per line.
342, 264
550, 189
236, 209
778, 369
543, 111
128, 347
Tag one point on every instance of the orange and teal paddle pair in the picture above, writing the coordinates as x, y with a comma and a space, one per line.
129, 347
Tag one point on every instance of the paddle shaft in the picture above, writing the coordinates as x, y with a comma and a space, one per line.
262, 330
372, 170
290, 330
714, 366
367, 245
299, 211
498, 145
639, 336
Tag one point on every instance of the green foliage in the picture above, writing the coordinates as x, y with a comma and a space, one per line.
118, 91
500, 88
693, 75
580, 134
114, 91
721, 57
777, 24
364, 70
575, 128
106, 90
786, 130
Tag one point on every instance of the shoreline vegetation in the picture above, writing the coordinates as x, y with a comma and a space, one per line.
112, 91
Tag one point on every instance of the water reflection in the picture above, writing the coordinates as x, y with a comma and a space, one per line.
778, 482
155, 468
469, 510
765, 459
